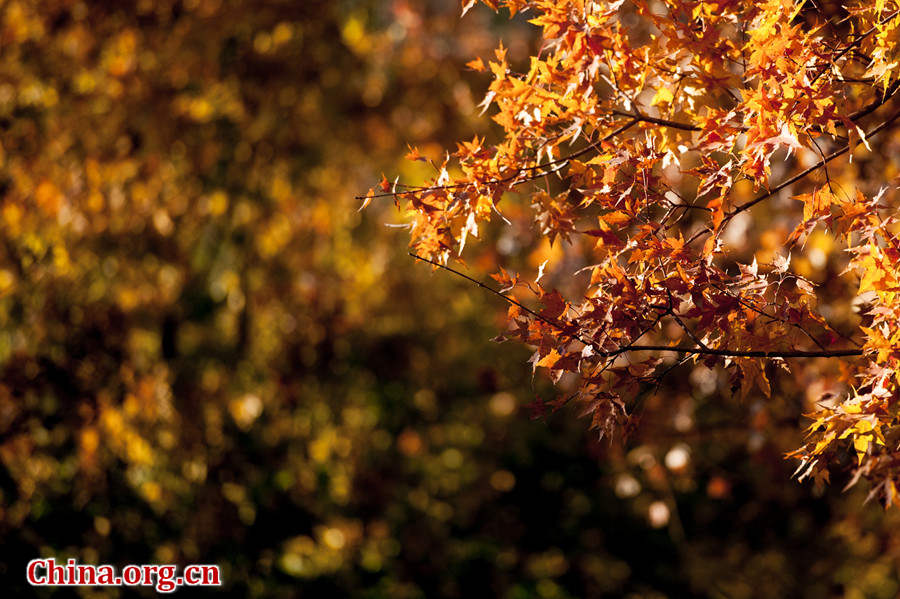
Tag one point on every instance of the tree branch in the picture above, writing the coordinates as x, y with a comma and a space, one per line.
657, 121
512, 178
728, 353
510, 300
734, 353
839, 152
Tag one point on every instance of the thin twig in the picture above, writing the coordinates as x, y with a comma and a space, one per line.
514, 176
728, 353
749, 204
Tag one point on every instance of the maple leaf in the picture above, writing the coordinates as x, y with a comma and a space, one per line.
414, 154
477, 65
663, 96
554, 305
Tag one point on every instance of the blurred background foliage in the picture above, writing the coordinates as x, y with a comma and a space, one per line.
207, 354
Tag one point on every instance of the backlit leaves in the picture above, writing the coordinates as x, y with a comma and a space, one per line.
639, 151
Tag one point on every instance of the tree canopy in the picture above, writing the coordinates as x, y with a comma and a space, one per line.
685, 154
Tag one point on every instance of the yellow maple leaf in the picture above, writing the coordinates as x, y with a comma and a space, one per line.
549, 360
861, 445
663, 95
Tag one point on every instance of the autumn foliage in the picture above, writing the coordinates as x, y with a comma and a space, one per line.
209, 354
654, 141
